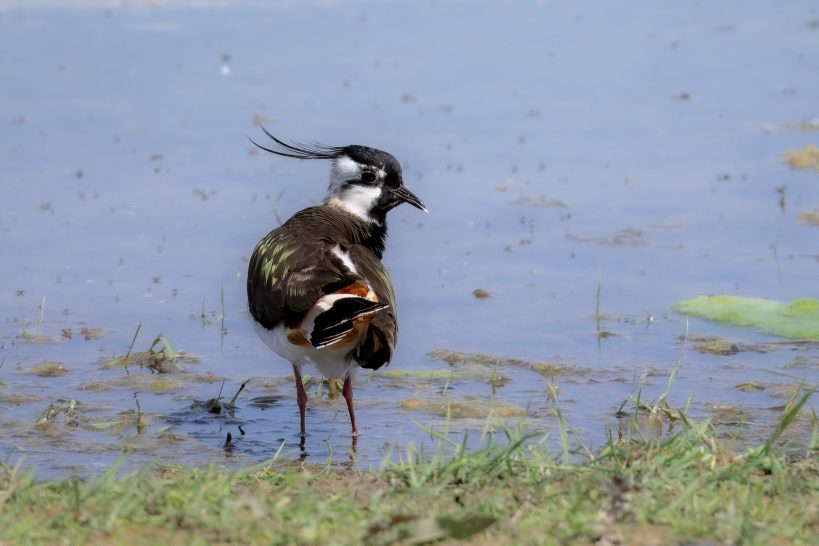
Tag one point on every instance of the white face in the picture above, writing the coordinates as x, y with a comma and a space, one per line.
356, 199
344, 169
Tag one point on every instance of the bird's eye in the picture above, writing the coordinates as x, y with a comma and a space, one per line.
368, 176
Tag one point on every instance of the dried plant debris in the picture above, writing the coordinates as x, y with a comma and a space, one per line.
466, 407
481, 294
803, 362
87, 333
454, 358
718, 346
19, 399
68, 409
112, 424
134, 381
428, 375
810, 217
151, 382
806, 157
160, 358
629, 237
804, 126
750, 386
539, 202
36, 338
49, 368
147, 359
730, 415
425, 380
90, 334
788, 391
623, 237
658, 412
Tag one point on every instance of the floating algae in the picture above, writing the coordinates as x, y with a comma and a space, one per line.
796, 319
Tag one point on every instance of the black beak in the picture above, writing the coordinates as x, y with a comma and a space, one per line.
403, 195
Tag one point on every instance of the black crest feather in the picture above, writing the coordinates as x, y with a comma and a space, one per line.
310, 150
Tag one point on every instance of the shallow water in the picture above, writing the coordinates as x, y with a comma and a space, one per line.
634, 148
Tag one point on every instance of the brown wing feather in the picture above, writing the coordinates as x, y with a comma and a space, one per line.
378, 344
293, 265
291, 268
286, 276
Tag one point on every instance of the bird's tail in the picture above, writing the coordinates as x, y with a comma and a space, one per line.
337, 321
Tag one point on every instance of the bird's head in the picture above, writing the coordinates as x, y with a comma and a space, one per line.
364, 181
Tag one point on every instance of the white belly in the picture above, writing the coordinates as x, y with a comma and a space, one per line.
330, 361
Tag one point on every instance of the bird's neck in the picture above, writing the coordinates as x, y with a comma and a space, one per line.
371, 232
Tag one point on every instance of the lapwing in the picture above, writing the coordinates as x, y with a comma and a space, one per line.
317, 290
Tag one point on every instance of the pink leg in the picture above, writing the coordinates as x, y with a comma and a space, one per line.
301, 398
347, 392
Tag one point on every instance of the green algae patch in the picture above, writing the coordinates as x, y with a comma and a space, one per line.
797, 319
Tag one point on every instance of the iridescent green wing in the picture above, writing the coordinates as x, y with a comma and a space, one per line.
287, 274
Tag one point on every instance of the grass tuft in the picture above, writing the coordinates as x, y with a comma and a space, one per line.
685, 488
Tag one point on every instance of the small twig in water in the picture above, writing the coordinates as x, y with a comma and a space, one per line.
661, 399
140, 420
232, 403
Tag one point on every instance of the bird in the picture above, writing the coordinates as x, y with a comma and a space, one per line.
317, 291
